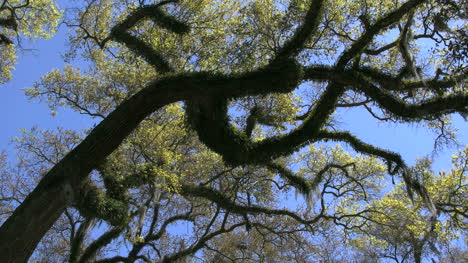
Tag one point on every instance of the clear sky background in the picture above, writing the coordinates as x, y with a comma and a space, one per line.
41, 56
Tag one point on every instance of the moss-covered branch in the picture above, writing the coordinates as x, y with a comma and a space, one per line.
298, 182
111, 205
430, 108
362, 43
207, 95
293, 46
393, 82
153, 12
209, 118
412, 183
9, 23
355, 77
362, 147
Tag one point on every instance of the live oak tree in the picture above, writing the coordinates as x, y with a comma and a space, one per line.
164, 77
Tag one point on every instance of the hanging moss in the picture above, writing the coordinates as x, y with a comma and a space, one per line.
112, 177
93, 202
112, 204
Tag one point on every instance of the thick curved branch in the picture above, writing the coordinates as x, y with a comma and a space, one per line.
77, 241
431, 108
293, 46
99, 243
356, 76
10, 23
298, 182
209, 118
361, 44
120, 34
393, 82
362, 147
412, 184
27, 225
5, 40
224, 202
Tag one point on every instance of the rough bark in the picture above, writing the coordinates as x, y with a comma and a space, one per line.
23, 230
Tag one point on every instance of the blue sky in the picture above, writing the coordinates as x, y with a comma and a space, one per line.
409, 140
38, 58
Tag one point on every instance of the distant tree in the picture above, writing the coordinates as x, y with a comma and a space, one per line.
209, 107
405, 232
18, 19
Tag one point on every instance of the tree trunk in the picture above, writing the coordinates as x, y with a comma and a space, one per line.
23, 230
417, 253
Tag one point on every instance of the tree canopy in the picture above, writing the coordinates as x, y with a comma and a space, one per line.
212, 113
